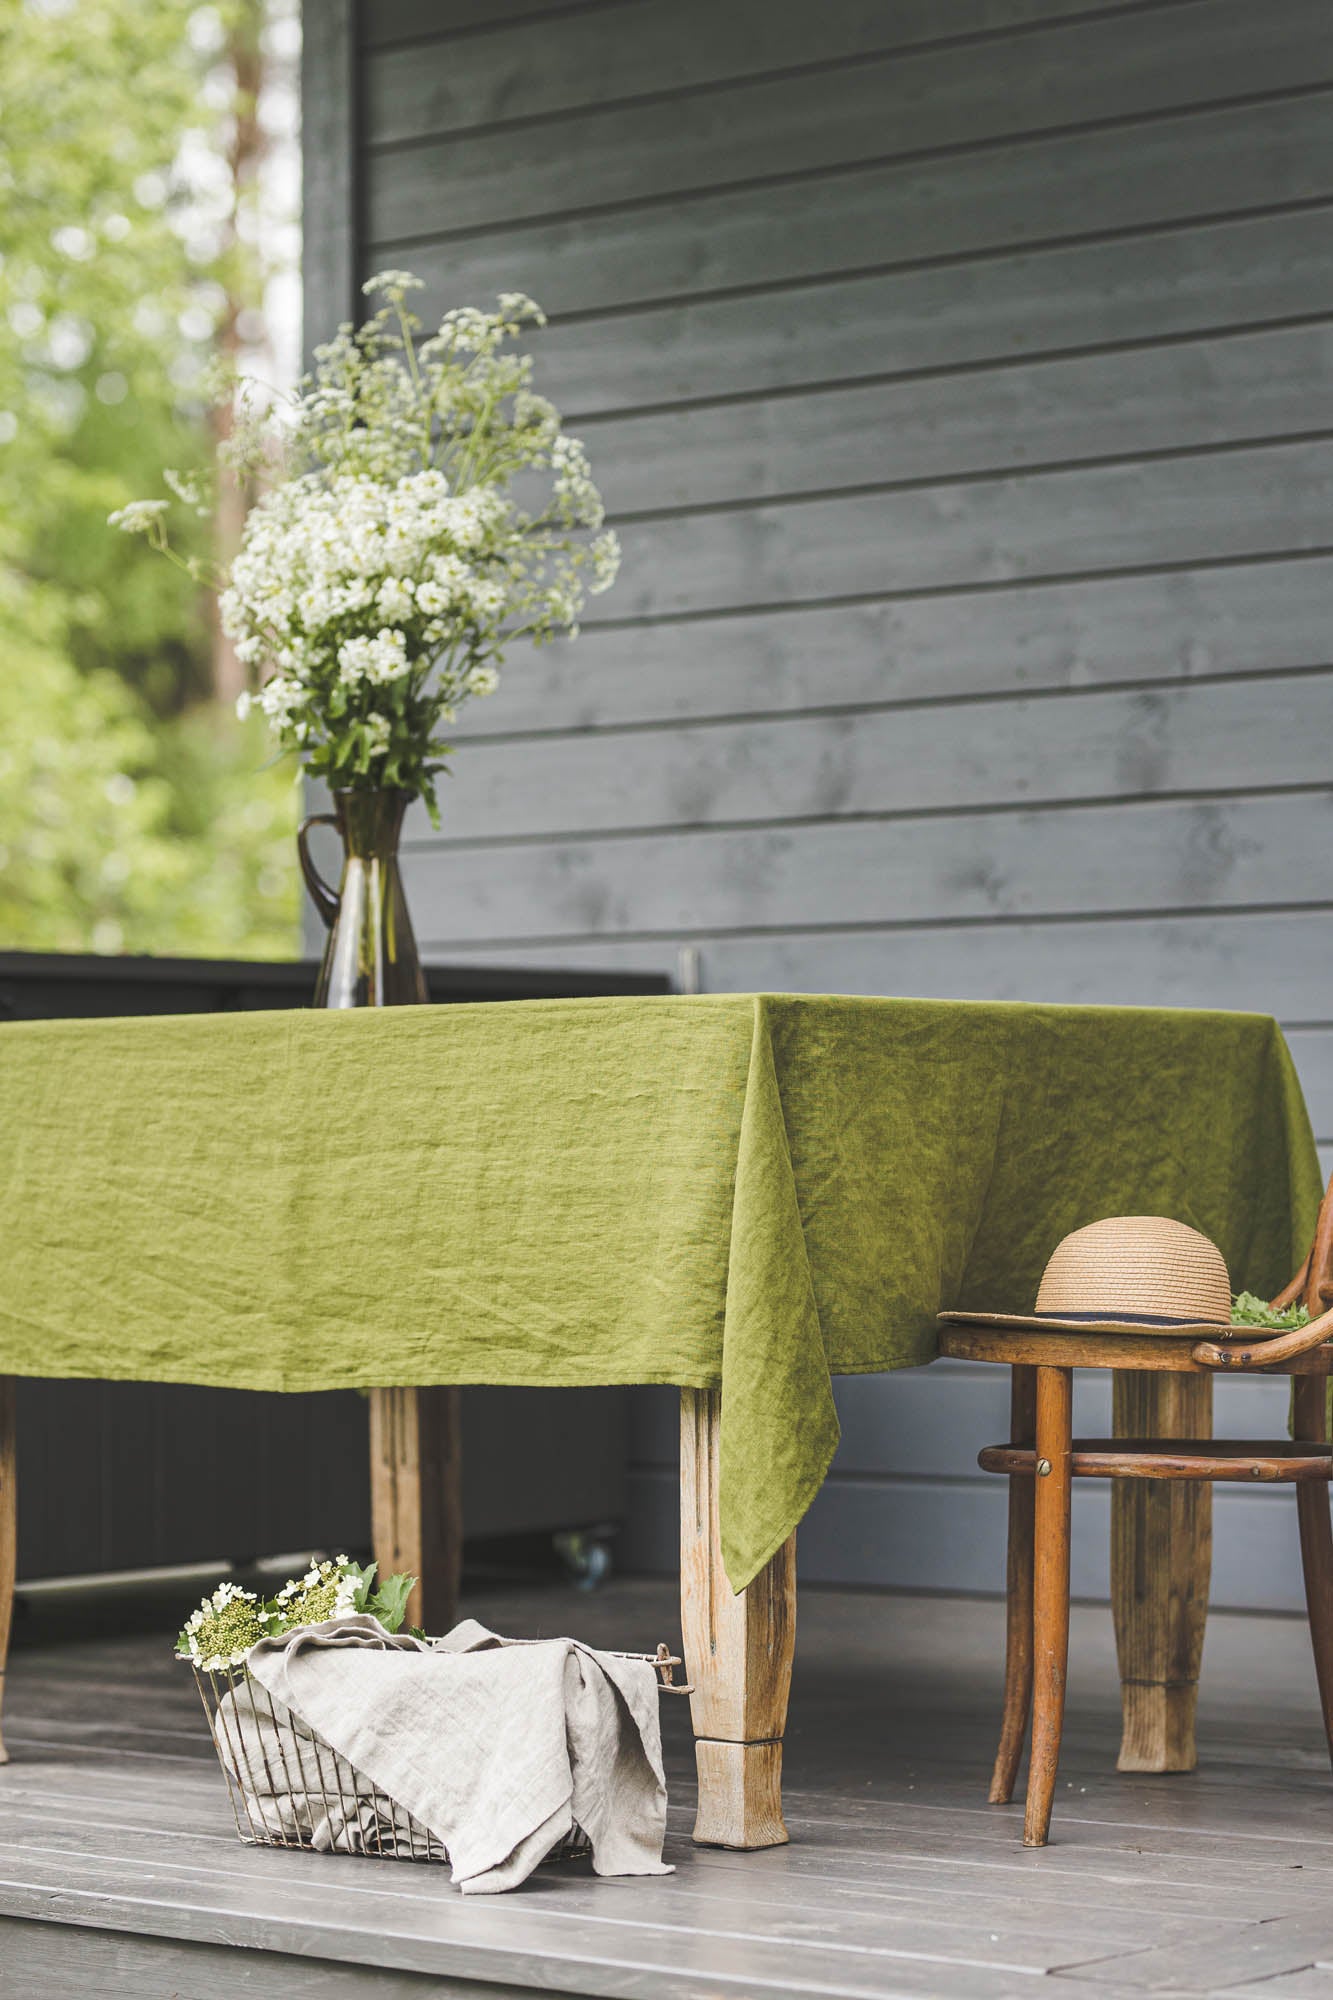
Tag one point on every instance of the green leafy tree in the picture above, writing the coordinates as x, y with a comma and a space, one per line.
134, 815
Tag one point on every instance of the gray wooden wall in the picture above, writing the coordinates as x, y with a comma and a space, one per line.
957, 373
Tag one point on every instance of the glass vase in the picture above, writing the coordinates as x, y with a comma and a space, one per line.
370, 958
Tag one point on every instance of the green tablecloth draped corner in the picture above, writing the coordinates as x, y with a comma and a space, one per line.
751, 1191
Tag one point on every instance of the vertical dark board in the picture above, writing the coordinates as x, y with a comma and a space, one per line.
964, 555
330, 65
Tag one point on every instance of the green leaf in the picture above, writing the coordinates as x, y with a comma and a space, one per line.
389, 1604
1248, 1310
364, 1579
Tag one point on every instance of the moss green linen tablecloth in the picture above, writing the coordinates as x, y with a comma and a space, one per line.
756, 1192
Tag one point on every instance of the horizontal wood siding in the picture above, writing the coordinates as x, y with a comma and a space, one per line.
960, 383
905, 1501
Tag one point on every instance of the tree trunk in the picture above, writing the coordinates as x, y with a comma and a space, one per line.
240, 275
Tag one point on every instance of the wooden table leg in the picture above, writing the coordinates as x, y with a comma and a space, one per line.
416, 1498
738, 1653
1161, 1557
8, 1528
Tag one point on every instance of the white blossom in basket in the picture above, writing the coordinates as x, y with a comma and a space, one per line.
327, 1590
232, 1620
224, 1628
422, 509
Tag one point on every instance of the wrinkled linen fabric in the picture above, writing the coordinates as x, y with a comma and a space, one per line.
754, 1192
294, 1789
498, 1748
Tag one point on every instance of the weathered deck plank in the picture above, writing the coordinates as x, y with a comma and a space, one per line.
120, 1872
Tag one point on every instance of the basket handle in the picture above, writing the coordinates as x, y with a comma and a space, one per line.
665, 1661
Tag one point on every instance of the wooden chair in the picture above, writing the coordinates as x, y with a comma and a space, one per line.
1041, 1459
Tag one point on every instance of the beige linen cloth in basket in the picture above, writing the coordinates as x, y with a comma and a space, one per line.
498, 1747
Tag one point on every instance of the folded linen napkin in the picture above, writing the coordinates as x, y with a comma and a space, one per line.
498, 1747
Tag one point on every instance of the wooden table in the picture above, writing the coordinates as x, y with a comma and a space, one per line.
768, 1100
738, 1649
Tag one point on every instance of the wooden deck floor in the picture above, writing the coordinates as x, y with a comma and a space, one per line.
120, 1873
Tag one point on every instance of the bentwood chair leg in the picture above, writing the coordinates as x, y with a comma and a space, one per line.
8, 1526
1310, 1420
1018, 1595
1050, 1595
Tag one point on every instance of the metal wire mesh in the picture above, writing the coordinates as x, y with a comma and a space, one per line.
290, 1788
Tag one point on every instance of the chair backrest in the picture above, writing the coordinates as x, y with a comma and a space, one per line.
1313, 1283
1319, 1283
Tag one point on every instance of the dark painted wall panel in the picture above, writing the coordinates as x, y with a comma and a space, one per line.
1156, 171
889, 106
529, 67
1112, 405
1132, 286
1231, 853
1186, 507
960, 379
1203, 737
1253, 961
1150, 627
949, 1536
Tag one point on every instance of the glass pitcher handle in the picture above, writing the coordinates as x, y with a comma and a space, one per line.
326, 900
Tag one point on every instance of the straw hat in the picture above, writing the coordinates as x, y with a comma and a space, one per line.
1128, 1274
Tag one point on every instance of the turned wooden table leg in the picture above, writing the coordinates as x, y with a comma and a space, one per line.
1161, 1557
416, 1497
738, 1653
8, 1528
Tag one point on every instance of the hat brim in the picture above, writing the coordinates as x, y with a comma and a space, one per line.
1199, 1329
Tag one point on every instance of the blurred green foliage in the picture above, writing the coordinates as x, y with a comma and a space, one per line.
135, 814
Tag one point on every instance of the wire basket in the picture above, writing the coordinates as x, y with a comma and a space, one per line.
290, 1788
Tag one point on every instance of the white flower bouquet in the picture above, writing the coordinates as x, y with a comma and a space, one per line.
231, 1620
390, 562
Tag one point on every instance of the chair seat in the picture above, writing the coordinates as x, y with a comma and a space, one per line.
1240, 1459
1159, 1569
1160, 1353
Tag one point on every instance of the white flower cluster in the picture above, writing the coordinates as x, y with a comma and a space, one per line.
230, 1622
380, 585
378, 660
139, 517
579, 501
227, 1625
327, 1588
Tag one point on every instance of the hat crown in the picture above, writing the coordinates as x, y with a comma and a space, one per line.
1141, 1266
